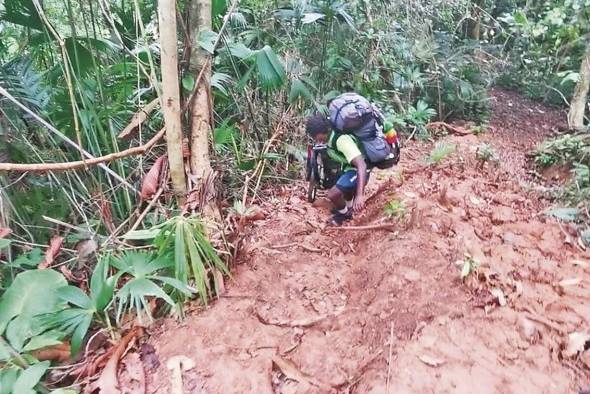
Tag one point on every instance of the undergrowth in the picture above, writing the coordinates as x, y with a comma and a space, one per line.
573, 152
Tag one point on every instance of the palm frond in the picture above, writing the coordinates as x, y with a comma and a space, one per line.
221, 81
271, 72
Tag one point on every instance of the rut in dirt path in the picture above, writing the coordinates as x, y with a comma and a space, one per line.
311, 310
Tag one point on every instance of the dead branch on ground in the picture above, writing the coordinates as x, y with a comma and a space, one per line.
389, 226
458, 130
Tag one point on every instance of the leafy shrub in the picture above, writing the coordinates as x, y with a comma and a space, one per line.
184, 243
567, 149
147, 277
440, 152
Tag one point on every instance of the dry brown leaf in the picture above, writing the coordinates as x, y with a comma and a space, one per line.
55, 245
132, 378
108, 383
186, 150
528, 329
106, 213
149, 356
570, 282
257, 215
86, 250
59, 353
4, 231
576, 343
431, 361
151, 180
443, 199
290, 370
585, 357
579, 263
499, 295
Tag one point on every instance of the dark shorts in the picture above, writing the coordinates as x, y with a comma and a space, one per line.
347, 181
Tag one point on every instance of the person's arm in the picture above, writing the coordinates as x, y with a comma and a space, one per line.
361, 173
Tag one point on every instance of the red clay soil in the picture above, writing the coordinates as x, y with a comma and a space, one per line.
313, 310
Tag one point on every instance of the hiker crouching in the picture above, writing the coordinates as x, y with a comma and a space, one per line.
354, 135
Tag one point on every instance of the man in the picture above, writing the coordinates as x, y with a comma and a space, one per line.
348, 193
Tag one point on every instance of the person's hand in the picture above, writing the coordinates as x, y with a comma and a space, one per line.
359, 203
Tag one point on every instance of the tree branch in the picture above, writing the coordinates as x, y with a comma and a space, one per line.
73, 165
139, 118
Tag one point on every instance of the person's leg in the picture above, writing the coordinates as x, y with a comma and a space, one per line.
341, 196
336, 196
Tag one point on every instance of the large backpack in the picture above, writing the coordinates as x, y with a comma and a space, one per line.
351, 113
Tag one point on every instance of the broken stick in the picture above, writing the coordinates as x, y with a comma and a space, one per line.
389, 226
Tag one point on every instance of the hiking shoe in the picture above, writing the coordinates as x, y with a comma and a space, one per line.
338, 218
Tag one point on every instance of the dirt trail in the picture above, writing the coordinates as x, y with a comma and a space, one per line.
319, 311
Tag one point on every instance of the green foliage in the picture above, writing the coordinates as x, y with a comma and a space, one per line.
395, 209
27, 379
270, 70
32, 293
76, 319
468, 266
440, 152
182, 243
562, 150
147, 277
420, 114
479, 129
486, 153
565, 214
546, 45
572, 151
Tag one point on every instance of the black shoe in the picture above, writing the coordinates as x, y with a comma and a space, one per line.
338, 218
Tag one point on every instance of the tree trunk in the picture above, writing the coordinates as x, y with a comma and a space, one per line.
171, 96
200, 110
475, 24
575, 117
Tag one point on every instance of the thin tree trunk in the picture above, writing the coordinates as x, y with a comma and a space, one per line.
475, 24
171, 96
575, 117
200, 111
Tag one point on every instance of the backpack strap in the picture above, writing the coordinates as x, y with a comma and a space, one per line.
334, 138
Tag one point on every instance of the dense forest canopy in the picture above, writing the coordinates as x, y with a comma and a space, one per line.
89, 89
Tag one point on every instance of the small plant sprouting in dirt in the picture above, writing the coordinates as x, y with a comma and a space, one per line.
469, 264
241, 210
486, 153
440, 152
395, 209
479, 129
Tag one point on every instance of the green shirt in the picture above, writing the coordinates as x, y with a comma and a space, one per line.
347, 149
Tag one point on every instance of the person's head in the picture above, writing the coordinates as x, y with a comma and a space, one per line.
318, 127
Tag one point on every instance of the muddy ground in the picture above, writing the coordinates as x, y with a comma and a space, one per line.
311, 310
